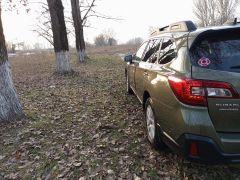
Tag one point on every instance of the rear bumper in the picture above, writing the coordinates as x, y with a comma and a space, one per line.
208, 151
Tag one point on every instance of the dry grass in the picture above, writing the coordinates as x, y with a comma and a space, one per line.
113, 50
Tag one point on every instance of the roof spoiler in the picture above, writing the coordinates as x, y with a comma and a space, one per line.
182, 26
233, 21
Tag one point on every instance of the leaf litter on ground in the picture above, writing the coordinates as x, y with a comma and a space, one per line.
85, 126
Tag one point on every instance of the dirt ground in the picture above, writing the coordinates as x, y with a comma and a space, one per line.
85, 126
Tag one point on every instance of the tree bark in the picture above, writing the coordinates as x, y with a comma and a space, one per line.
60, 39
10, 107
77, 19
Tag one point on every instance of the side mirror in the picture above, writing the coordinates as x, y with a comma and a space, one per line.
128, 58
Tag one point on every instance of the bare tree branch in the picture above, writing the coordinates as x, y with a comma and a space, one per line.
89, 10
214, 12
45, 33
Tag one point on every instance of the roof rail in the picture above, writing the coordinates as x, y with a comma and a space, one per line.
232, 21
182, 26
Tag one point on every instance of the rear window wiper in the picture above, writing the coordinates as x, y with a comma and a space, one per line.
235, 67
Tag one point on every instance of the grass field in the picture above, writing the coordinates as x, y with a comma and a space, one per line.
85, 126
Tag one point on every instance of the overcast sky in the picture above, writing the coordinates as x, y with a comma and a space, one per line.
138, 16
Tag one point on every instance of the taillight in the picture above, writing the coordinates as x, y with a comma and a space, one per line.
195, 92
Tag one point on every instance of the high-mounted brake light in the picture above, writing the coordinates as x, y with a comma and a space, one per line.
196, 92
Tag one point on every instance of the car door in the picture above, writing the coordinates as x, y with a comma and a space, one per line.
143, 71
135, 63
159, 85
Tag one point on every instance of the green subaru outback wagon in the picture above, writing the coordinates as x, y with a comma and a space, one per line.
188, 81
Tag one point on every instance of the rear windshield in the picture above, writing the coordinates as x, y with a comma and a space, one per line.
218, 50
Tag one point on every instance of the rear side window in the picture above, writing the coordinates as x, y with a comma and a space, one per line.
218, 51
167, 51
152, 50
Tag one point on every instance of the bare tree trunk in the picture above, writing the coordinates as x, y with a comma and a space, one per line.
60, 40
77, 19
10, 107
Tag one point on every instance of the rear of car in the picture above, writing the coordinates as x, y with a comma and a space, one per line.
211, 96
191, 93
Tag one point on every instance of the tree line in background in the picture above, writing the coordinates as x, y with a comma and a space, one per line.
214, 12
107, 38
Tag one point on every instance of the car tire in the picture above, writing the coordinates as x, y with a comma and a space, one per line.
153, 130
129, 89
